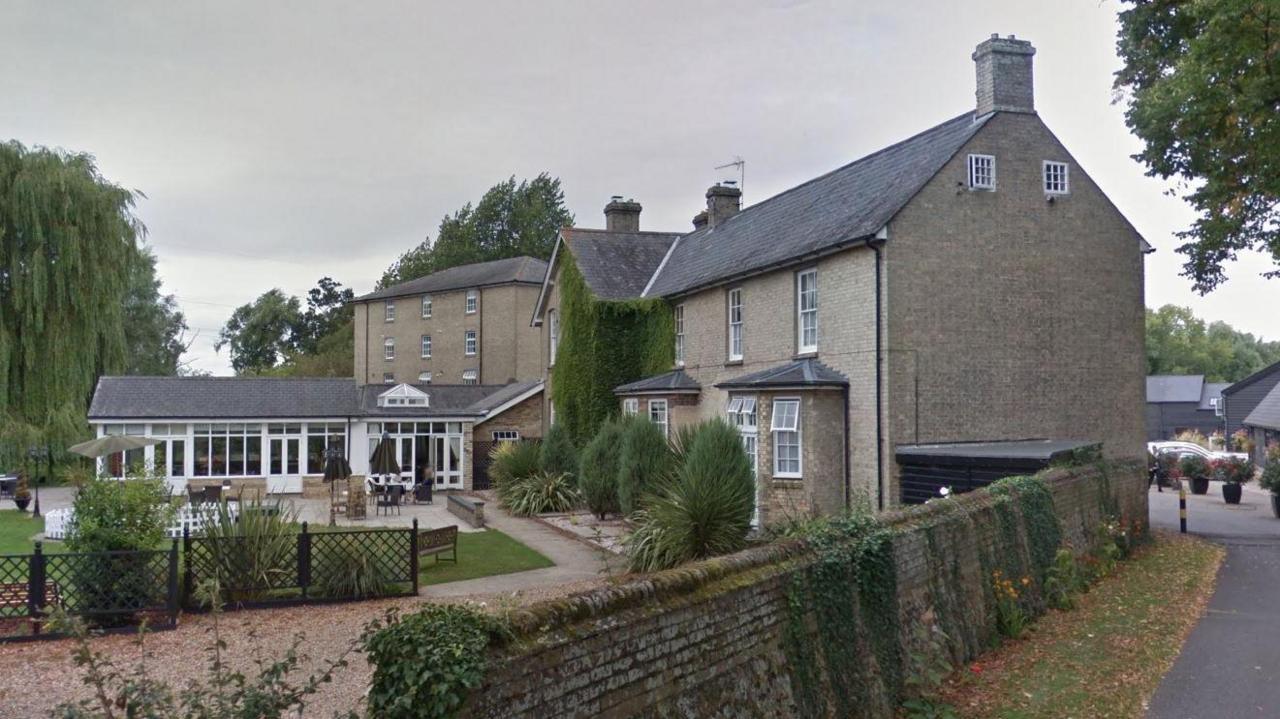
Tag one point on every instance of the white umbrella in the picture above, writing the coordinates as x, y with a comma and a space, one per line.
111, 444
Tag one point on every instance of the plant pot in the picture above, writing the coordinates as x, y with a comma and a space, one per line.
1275, 505
1199, 485
1231, 492
22, 503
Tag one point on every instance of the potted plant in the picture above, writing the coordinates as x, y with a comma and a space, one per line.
1242, 441
1270, 480
22, 493
1196, 469
1234, 472
1165, 467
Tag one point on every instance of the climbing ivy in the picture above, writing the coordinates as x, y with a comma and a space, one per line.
603, 343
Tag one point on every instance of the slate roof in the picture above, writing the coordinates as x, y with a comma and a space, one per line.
526, 270
617, 265
1174, 388
161, 398
1265, 371
1267, 413
819, 216
1212, 390
801, 373
673, 381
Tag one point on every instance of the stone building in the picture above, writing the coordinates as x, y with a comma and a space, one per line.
970, 283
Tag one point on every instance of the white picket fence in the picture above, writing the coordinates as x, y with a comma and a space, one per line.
191, 517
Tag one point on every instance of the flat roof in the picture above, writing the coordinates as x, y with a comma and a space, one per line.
1021, 450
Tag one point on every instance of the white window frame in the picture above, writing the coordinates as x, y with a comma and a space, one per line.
426, 347
506, 435
426, 307
469, 343
424, 378
735, 324
982, 172
630, 406
472, 301
389, 311
553, 336
678, 315
470, 376
804, 313
665, 421
389, 348
388, 378
1061, 184
783, 432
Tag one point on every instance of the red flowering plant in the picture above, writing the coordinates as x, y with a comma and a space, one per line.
1233, 470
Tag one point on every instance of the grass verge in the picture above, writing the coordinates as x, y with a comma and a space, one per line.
1105, 657
17, 529
483, 554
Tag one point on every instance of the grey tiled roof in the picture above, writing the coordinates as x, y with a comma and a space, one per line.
1175, 387
443, 399
617, 265
842, 206
1211, 391
673, 381
502, 396
1264, 372
529, 270
1267, 413
801, 373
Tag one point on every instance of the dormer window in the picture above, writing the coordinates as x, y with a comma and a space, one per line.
982, 172
403, 395
472, 298
1057, 179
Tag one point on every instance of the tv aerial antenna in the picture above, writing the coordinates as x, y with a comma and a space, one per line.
741, 164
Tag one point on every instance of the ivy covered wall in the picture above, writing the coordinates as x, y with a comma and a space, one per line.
603, 344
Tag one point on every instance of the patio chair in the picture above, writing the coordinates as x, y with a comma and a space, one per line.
422, 493
389, 499
213, 493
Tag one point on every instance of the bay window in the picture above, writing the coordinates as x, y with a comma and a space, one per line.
786, 438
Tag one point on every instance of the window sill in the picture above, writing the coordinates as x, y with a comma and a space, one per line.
807, 354
788, 478
733, 362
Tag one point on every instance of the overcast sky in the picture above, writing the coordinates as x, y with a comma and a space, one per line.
281, 142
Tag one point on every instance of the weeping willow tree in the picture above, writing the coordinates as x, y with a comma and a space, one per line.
68, 239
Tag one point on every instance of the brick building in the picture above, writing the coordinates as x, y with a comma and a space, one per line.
968, 284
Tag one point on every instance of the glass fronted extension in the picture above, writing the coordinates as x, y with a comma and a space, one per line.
424, 449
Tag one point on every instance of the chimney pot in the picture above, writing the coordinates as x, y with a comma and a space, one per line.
723, 201
622, 215
1004, 75
700, 220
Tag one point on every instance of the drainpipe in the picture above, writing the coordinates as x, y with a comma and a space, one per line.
845, 395
877, 245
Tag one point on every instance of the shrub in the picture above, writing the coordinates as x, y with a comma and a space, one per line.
1193, 436
1234, 469
426, 663
1193, 466
644, 460
1270, 480
541, 493
510, 462
251, 553
21, 490
558, 455
705, 510
112, 515
598, 470
1242, 441
346, 571
1011, 616
1064, 580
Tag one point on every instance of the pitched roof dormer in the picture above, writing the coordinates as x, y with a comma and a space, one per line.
404, 395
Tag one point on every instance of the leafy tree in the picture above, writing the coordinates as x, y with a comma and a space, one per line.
334, 356
1203, 84
512, 219
274, 335
263, 332
154, 328
68, 244
1178, 342
328, 309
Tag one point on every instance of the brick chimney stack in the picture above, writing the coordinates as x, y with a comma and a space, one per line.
723, 201
622, 215
1004, 75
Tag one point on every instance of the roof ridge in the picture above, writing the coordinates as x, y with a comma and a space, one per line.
599, 231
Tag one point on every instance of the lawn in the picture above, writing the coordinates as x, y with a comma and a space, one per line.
16, 530
482, 554
1104, 658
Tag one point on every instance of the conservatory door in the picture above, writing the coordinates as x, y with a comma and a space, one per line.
448, 456
283, 473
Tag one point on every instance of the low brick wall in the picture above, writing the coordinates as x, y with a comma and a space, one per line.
710, 639
468, 509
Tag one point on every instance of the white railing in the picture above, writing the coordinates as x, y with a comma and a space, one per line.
58, 523
191, 517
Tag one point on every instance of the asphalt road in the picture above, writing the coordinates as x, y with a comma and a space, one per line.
1230, 665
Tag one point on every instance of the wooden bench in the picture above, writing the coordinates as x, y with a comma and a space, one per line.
439, 541
467, 509
14, 595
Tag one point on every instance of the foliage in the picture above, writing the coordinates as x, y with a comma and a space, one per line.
112, 515
704, 510
426, 663
1011, 617
1064, 581
1233, 469
928, 665
543, 492
262, 332
1202, 83
1193, 466
154, 328
510, 462
21, 490
603, 344
274, 333
1242, 441
509, 221
644, 461
1035, 504
1178, 342
227, 694
350, 572
1270, 479
253, 549
598, 470
68, 246
1194, 436
558, 454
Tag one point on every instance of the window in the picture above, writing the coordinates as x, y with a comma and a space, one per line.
424, 377
679, 321
469, 344
735, 324
553, 333
472, 298
426, 347
742, 414
171, 454
1056, 178
506, 435
786, 438
389, 312
388, 378
630, 406
224, 450
320, 437
404, 396
658, 413
469, 376
1216, 403
389, 348
807, 307
426, 307
982, 172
